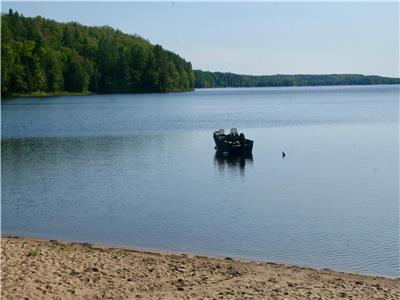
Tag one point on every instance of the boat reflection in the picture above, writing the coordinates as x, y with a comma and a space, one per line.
232, 162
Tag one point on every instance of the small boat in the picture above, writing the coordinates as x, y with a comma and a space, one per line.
232, 143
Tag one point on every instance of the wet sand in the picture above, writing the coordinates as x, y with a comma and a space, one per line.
40, 269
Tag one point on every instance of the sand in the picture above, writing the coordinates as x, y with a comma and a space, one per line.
39, 269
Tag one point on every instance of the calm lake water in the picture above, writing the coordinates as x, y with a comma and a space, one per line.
141, 171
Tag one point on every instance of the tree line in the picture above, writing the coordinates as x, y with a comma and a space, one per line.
39, 55
204, 79
42, 56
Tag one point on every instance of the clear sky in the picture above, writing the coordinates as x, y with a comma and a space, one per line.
252, 38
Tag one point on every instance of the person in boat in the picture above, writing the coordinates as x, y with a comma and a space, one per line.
232, 137
242, 138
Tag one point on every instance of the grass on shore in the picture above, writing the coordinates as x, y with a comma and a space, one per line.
34, 252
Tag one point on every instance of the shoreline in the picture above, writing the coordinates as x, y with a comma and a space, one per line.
48, 269
41, 95
157, 251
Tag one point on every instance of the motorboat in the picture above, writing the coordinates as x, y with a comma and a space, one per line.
232, 143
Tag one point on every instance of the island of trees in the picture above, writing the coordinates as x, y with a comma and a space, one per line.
41, 55
218, 79
44, 57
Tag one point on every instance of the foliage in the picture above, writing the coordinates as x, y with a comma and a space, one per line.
44, 56
218, 79
33, 252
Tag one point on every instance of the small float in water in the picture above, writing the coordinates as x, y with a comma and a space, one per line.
232, 143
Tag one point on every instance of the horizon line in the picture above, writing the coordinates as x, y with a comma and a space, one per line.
295, 74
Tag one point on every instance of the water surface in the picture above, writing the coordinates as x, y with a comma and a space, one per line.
141, 171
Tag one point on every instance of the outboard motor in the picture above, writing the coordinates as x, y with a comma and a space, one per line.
234, 134
220, 134
234, 131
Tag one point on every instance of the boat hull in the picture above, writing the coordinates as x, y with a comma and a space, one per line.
223, 145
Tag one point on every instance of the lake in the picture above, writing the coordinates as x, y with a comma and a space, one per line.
141, 171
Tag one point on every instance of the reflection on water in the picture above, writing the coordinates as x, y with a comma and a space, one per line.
110, 115
225, 161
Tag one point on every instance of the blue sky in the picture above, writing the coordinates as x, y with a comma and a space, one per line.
252, 38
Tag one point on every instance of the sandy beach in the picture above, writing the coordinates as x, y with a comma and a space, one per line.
40, 269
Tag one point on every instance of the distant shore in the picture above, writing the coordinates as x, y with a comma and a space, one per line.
41, 269
88, 93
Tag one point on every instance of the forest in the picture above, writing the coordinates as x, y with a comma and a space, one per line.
44, 56
217, 79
